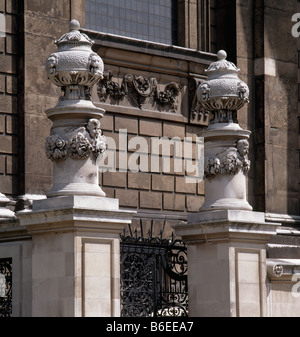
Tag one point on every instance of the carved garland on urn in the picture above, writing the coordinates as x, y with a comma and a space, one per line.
77, 143
138, 89
230, 161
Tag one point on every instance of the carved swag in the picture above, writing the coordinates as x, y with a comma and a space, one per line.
139, 90
230, 161
77, 143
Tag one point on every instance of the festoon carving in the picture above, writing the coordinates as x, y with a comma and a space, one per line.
138, 89
77, 143
229, 161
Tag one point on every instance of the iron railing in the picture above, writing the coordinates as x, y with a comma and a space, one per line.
153, 275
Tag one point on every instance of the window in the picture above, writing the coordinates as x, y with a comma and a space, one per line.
152, 20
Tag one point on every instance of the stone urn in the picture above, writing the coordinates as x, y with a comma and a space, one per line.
226, 144
76, 142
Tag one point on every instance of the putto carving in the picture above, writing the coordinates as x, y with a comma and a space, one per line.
139, 91
198, 115
168, 96
204, 89
229, 161
77, 143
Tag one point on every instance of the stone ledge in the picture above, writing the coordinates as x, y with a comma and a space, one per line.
224, 225
73, 213
279, 270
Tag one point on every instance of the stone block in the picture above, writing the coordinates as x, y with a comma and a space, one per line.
152, 200
115, 179
127, 123
11, 44
12, 6
107, 122
171, 130
139, 180
8, 104
110, 192
11, 24
9, 184
8, 144
11, 85
11, 166
128, 198
174, 202
2, 123
8, 64
11, 125
193, 203
150, 128
162, 183
2, 164
181, 186
2, 83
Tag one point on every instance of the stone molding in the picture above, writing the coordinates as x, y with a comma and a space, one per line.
279, 270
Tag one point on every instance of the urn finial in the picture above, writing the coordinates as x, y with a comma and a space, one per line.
223, 93
75, 67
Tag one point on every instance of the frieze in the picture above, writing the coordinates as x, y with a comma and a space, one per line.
139, 90
77, 143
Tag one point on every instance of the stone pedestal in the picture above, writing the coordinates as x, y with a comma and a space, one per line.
76, 230
75, 256
227, 262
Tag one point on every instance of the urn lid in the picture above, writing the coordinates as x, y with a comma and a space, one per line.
223, 90
222, 66
74, 36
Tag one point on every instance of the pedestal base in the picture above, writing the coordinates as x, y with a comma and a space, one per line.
76, 255
227, 262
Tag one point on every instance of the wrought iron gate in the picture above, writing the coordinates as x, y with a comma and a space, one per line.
153, 276
6, 287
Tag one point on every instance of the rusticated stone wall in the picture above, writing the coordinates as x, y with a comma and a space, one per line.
9, 140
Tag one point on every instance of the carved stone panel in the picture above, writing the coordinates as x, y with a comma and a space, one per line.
139, 92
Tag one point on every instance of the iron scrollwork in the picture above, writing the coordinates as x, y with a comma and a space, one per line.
5, 287
153, 276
